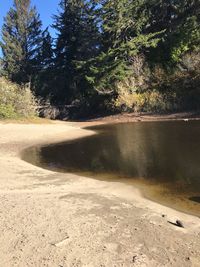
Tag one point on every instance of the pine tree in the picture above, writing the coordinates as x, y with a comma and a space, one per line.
46, 54
44, 80
21, 34
185, 34
180, 21
124, 35
76, 42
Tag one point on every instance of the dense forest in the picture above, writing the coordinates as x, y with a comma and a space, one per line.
108, 55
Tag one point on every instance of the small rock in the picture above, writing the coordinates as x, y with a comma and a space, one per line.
134, 258
179, 223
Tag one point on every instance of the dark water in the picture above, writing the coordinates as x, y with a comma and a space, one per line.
161, 158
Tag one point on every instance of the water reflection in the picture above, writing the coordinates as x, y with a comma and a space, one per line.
162, 153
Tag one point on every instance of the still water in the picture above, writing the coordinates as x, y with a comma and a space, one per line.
162, 159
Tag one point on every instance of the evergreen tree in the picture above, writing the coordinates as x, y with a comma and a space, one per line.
180, 21
43, 82
21, 35
77, 41
46, 53
185, 34
124, 34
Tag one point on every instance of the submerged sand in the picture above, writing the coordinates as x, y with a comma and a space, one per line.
56, 219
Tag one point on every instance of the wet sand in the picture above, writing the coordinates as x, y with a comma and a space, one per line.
55, 219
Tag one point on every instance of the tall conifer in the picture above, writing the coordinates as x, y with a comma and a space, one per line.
21, 35
76, 42
124, 34
46, 53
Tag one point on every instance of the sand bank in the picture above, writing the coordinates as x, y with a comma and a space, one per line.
54, 219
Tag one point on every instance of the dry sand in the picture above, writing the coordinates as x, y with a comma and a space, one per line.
63, 220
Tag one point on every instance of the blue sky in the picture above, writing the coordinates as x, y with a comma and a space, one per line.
46, 9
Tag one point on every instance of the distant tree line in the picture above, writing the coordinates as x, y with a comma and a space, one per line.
108, 55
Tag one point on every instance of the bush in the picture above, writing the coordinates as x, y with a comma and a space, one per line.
159, 89
6, 111
149, 101
16, 101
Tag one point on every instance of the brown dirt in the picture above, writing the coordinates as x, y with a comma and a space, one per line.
133, 117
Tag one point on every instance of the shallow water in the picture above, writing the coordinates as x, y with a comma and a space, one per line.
160, 158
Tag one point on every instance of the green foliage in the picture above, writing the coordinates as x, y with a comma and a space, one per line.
21, 35
161, 90
180, 21
16, 101
124, 36
7, 112
186, 39
76, 43
147, 101
138, 55
46, 53
43, 82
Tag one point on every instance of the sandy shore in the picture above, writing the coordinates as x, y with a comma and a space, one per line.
63, 220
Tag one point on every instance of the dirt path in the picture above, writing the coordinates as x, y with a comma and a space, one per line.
54, 219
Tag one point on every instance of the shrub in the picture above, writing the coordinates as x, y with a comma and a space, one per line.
136, 97
16, 101
160, 89
149, 101
6, 111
